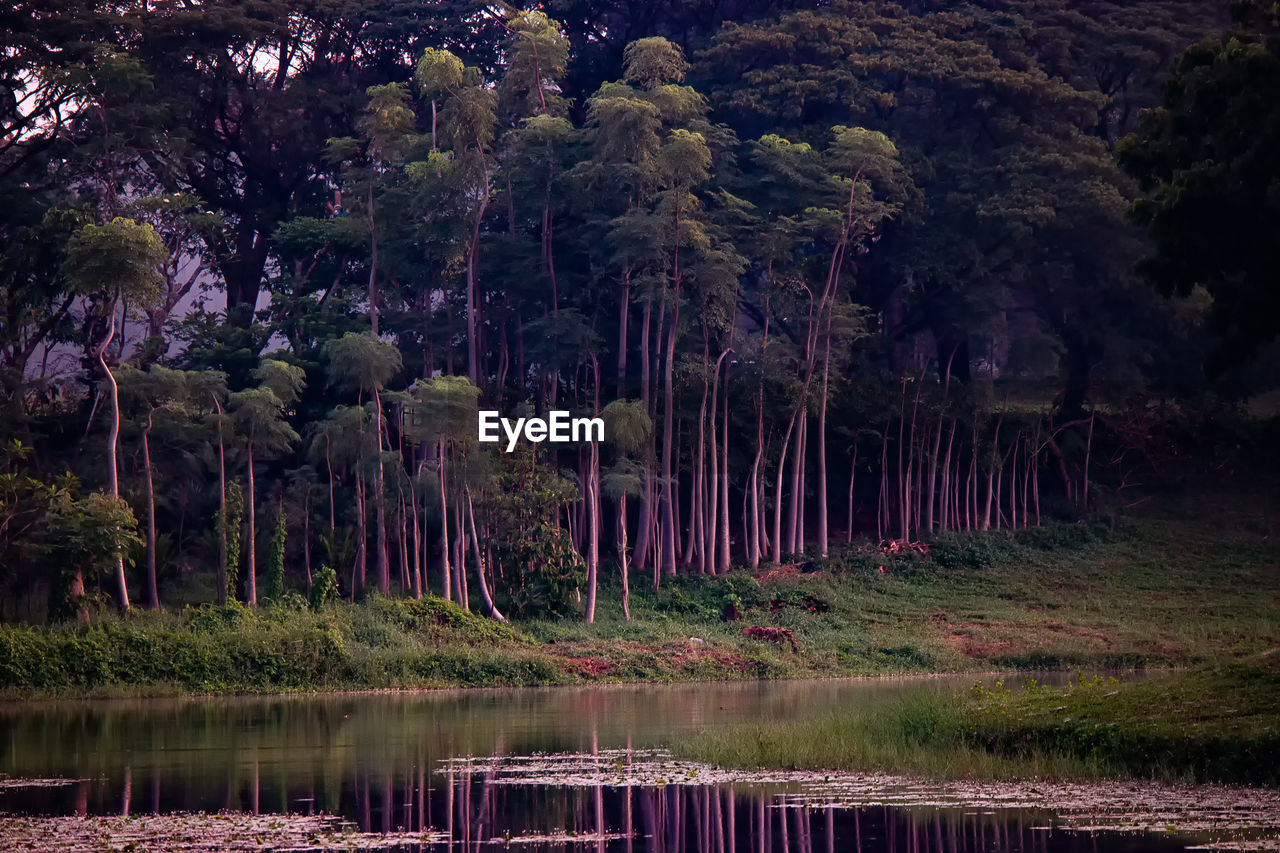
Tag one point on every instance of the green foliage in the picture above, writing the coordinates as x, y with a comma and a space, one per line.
121, 259
652, 62
324, 588
231, 528
439, 73
361, 363
273, 590
1210, 202
545, 573
91, 533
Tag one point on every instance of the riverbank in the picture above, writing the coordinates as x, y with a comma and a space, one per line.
1174, 586
1218, 723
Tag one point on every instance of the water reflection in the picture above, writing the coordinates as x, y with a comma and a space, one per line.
380, 761
470, 810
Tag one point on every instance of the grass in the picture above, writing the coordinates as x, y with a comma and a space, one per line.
1180, 582
1218, 723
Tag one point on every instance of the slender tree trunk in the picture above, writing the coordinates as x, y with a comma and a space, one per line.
416, 532
1084, 477
593, 505
1035, 483
753, 512
668, 527
485, 597
446, 580
306, 536
803, 491
113, 442
901, 472
460, 591
222, 508
380, 502
853, 473
946, 503
991, 470
593, 532
722, 561
473, 297
911, 466
621, 536
645, 521
797, 463
251, 577
153, 592
373, 266
624, 310
822, 446
362, 539
777, 491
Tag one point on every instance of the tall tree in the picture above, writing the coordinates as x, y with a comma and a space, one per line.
1205, 161
364, 364
260, 413
108, 264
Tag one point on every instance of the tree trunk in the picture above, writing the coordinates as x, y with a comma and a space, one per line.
722, 559
222, 508
373, 267
380, 503
251, 579
153, 592
593, 505
822, 446
853, 473
473, 298
485, 597
621, 536
446, 579
777, 491
645, 520
667, 555
113, 441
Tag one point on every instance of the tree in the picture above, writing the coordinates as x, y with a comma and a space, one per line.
629, 428
259, 413
90, 536
107, 264
364, 364
1205, 162
183, 396
469, 122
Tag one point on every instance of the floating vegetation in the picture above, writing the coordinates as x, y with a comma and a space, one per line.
7, 784
198, 833
1215, 816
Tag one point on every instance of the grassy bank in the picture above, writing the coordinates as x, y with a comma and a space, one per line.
1176, 585
1218, 723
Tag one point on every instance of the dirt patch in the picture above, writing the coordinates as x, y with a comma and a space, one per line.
783, 571
589, 667
778, 636
974, 647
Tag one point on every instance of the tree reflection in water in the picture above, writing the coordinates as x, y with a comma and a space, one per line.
383, 763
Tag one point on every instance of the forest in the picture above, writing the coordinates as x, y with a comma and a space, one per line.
855, 277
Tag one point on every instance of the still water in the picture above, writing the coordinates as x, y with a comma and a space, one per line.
387, 763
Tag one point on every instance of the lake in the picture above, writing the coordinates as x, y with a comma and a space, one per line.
545, 768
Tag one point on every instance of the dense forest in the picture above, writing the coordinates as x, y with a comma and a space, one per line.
829, 271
